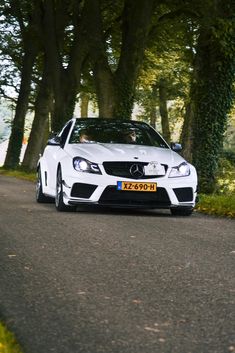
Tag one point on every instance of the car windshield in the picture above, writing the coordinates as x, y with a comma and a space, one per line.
116, 131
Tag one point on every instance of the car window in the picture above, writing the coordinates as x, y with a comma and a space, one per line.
124, 132
64, 132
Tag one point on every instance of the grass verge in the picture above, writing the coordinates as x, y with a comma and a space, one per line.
8, 342
219, 205
18, 174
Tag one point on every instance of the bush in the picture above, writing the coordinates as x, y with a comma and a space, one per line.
225, 177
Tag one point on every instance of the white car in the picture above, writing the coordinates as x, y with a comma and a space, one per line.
115, 163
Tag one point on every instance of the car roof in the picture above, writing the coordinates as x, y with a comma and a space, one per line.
111, 120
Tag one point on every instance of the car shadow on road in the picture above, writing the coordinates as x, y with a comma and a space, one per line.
117, 211
124, 211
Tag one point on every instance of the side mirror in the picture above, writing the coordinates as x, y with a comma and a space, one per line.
54, 141
176, 147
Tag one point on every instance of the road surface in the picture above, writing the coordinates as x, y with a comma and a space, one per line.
114, 281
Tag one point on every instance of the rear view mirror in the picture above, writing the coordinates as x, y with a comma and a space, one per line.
54, 141
177, 147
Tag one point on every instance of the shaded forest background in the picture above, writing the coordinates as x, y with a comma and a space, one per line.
175, 59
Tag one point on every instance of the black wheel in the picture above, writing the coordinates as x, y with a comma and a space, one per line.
59, 197
187, 211
40, 197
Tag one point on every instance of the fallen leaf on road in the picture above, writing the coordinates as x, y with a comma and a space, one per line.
136, 301
162, 340
152, 329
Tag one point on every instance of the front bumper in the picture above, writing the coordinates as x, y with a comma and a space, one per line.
92, 189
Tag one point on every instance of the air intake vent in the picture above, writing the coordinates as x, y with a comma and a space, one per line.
83, 190
184, 194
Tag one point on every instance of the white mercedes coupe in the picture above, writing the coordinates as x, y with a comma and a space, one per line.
115, 163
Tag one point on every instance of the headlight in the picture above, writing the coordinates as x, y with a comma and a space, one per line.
181, 170
83, 165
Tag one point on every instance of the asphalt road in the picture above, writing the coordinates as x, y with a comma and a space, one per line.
114, 281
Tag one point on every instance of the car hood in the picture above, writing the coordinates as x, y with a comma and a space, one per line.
101, 152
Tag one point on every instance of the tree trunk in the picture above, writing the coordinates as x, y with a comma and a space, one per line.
66, 81
17, 132
65, 100
153, 116
30, 44
84, 104
103, 77
115, 92
153, 105
187, 132
40, 123
105, 90
136, 24
163, 110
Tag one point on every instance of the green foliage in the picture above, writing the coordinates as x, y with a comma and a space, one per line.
229, 137
8, 342
229, 155
223, 35
168, 58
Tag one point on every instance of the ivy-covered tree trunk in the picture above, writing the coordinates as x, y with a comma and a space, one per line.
212, 97
17, 131
40, 123
163, 110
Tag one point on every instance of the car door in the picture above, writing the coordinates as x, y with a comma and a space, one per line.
53, 155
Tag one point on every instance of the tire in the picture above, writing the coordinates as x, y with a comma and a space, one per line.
59, 198
40, 197
181, 211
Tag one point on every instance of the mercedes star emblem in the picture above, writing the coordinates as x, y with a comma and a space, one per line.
136, 171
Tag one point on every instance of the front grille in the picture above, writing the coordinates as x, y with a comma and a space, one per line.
112, 196
122, 169
184, 194
83, 190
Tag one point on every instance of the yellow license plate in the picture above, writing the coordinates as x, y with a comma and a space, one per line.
132, 186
